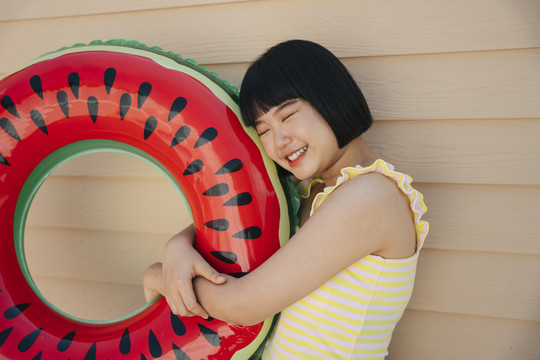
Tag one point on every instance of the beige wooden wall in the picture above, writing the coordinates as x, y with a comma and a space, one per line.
454, 87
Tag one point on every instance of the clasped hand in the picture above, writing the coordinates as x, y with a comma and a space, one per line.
174, 277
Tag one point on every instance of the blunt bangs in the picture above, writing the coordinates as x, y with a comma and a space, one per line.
263, 88
304, 70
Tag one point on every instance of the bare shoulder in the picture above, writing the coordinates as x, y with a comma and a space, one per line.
372, 189
379, 199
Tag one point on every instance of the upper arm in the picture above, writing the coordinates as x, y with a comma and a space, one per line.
356, 220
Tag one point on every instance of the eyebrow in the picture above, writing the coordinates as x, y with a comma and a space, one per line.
281, 107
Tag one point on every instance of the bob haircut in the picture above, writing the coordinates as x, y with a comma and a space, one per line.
300, 69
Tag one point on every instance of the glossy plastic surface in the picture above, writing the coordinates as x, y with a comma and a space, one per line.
142, 102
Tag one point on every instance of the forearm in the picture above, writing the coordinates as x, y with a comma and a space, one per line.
231, 301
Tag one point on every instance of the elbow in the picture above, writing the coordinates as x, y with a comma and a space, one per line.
247, 318
238, 307
242, 312
250, 323
243, 320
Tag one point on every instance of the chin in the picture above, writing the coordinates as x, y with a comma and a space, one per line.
302, 175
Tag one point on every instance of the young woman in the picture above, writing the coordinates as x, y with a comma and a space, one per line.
344, 279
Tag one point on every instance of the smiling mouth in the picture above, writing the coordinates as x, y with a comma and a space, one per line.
297, 154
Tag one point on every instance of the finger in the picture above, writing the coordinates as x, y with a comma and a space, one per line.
190, 301
177, 306
171, 292
182, 299
208, 272
174, 300
171, 304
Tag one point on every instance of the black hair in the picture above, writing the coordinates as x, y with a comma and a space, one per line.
300, 69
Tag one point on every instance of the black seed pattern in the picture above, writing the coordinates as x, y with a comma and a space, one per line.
181, 135
91, 354
3, 160
125, 103
144, 91
250, 233
125, 343
64, 344
207, 136
178, 326
179, 354
217, 190
108, 79
211, 336
225, 256
177, 106
149, 126
93, 106
153, 345
16, 310
8, 104
8, 127
230, 167
238, 274
29, 340
194, 167
218, 224
38, 356
63, 102
37, 118
73, 81
4, 335
239, 200
35, 83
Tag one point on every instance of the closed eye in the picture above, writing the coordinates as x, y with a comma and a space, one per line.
261, 130
288, 116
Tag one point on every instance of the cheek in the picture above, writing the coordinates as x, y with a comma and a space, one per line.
268, 147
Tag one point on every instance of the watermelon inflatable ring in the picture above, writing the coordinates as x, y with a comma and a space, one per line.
125, 97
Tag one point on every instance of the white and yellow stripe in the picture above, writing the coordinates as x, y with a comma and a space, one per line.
353, 315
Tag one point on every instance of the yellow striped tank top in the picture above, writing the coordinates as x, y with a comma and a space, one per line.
353, 315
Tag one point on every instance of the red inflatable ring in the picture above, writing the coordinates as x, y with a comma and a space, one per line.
125, 97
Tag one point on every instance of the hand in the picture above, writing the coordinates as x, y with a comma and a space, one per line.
182, 263
152, 282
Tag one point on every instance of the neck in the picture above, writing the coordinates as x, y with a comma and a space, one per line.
354, 153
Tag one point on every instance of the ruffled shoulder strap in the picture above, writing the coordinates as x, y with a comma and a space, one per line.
403, 181
304, 186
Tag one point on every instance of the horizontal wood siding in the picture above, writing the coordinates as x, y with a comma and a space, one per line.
91, 236
238, 31
454, 87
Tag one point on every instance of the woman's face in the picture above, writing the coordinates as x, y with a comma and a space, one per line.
298, 138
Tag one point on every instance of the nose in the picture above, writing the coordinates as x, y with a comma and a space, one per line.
281, 138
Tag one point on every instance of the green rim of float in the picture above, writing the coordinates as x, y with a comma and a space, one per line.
42, 172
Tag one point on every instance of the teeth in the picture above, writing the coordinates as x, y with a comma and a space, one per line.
295, 156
